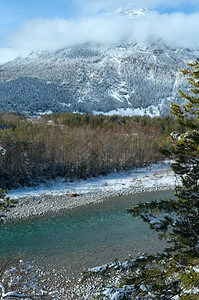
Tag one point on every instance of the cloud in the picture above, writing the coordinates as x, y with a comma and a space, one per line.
59, 33
42, 34
101, 25
88, 7
8, 54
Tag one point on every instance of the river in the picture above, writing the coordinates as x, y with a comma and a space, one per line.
85, 237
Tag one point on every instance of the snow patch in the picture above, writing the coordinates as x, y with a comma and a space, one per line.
154, 176
152, 111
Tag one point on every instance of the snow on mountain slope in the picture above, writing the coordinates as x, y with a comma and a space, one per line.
93, 77
131, 13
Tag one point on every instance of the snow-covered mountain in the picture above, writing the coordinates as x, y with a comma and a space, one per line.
131, 12
125, 78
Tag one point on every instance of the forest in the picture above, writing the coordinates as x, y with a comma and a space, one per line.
77, 146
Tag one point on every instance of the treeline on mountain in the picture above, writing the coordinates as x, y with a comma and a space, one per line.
77, 145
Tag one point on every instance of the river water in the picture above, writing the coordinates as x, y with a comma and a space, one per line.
85, 237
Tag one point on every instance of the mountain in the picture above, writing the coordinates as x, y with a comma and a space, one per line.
125, 78
131, 13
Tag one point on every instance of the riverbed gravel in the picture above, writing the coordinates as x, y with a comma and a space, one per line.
30, 206
38, 204
56, 282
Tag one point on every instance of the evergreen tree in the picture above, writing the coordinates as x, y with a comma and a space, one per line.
173, 274
5, 202
178, 273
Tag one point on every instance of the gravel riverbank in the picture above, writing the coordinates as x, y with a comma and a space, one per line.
55, 198
38, 202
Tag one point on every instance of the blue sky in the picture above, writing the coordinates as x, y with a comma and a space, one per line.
27, 25
17, 12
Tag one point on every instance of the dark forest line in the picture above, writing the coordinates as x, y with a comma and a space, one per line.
77, 145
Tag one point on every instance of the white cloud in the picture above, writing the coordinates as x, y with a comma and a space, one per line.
99, 25
178, 28
8, 54
95, 6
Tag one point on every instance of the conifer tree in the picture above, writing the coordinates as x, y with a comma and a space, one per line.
5, 202
174, 274
179, 273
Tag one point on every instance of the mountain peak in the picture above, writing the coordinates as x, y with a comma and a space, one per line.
132, 13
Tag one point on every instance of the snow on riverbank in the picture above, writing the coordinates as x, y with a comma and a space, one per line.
59, 194
53, 197
157, 176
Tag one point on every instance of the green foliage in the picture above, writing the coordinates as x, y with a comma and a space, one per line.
5, 204
174, 274
183, 229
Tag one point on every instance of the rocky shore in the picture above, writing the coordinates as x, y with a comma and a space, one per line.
56, 283
39, 204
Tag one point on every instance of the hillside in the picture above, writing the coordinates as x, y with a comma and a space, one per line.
95, 77
123, 78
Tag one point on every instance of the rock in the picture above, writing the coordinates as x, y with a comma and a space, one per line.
73, 195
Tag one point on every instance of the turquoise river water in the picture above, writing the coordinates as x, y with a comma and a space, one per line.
85, 237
